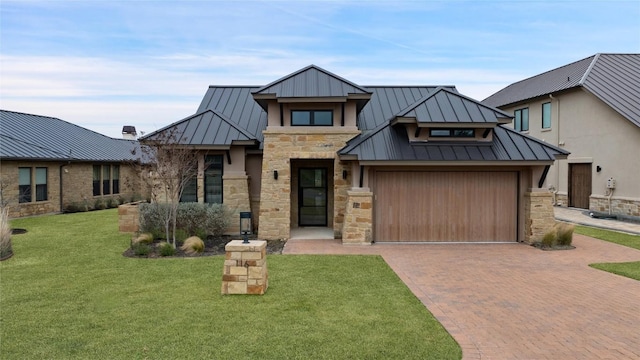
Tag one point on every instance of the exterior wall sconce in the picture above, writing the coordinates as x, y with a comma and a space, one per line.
598, 168
344, 174
245, 226
275, 174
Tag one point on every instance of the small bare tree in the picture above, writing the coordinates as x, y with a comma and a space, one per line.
172, 164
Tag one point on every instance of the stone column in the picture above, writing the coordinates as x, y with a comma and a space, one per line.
358, 219
129, 218
235, 190
539, 216
245, 268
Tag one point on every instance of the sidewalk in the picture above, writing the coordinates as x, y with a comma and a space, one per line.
581, 217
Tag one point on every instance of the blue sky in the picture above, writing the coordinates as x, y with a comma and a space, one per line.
103, 64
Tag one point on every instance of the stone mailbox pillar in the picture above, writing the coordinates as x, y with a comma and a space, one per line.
245, 268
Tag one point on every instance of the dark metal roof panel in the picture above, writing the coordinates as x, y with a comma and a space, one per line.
311, 81
28, 136
389, 143
562, 78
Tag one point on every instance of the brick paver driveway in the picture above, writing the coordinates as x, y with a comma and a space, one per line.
512, 301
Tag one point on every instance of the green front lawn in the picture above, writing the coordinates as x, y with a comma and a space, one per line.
69, 293
628, 269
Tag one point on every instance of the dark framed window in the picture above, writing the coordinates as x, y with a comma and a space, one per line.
41, 184
312, 117
546, 115
97, 169
115, 179
457, 133
213, 179
106, 179
521, 120
190, 191
24, 185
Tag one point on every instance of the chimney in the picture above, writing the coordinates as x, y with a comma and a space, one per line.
129, 132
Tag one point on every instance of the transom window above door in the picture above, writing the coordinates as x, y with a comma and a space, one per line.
311, 117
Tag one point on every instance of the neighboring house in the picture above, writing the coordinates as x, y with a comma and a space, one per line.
373, 163
48, 165
591, 108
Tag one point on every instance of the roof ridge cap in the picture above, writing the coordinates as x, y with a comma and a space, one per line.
588, 71
232, 124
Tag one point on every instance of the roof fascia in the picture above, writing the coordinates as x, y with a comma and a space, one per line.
454, 163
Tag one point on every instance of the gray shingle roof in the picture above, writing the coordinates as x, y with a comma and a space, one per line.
34, 137
446, 106
390, 143
613, 78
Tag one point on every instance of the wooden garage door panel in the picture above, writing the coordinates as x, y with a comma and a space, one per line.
446, 206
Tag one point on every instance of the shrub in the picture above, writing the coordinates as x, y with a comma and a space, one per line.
565, 234
111, 203
144, 238
99, 204
192, 219
549, 239
166, 249
140, 249
193, 245
217, 220
5, 234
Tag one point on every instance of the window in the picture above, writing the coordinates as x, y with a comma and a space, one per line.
521, 121
190, 191
546, 115
106, 179
115, 179
458, 133
41, 184
312, 117
213, 179
96, 180
26, 186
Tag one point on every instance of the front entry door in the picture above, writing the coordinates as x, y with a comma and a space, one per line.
312, 197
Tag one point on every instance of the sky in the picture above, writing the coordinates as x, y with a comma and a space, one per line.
102, 64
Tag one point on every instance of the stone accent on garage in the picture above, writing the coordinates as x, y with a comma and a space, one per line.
539, 216
619, 206
358, 221
280, 146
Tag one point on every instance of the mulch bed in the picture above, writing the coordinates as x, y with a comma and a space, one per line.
552, 248
212, 246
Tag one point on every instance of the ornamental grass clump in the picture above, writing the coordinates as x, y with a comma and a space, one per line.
144, 238
565, 234
166, 249
193, 245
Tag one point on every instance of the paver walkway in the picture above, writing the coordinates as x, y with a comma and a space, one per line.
512, 301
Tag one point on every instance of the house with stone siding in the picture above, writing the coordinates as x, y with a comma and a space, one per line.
591, 108
48, 165
368, 163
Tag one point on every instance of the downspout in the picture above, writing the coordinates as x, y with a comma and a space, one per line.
555, 191
609, 198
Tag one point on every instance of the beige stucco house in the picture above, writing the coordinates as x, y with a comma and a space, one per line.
48, 165
591, 108
371, 163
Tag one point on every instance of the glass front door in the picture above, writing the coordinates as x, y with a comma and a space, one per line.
312, 197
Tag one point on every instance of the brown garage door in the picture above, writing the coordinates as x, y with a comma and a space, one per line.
446, 206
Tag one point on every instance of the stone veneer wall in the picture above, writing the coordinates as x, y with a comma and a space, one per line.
619, 206
539, 216
9, 183
280, 146
358, 218
235, 192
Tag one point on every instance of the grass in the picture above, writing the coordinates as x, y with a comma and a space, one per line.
628, 269
68, 293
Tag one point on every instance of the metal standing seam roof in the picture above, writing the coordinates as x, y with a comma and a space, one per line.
34, 137
390, 143
311, 81
613, 78
206, 128
446, 106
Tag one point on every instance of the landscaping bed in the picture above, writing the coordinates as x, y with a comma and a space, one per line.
213, 246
